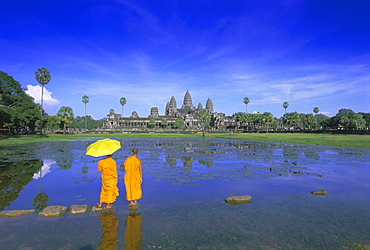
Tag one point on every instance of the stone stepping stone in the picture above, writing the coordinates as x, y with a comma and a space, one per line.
133, 207
78, 209
319, 192
53, 211
95, 208
237, 200
16, 213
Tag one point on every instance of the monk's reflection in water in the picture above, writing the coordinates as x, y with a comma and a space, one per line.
109, 225
133, 235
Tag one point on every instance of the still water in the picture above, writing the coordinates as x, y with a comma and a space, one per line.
185, 184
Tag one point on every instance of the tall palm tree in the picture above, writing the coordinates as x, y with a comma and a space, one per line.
122, 101
246, 101
85, 100
43, 77
316, 111
285, 105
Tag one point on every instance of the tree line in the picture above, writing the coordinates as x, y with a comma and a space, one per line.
345, 119
19, 112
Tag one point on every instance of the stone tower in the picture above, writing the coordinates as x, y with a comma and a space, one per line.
209, 106
188, 103
171, 108
154, 112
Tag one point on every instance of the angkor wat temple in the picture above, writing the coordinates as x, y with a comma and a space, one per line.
187, 111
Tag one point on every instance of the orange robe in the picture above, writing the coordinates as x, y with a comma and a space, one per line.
109, 190
133, 178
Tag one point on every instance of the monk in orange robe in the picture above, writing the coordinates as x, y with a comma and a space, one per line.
109, 179
133, 178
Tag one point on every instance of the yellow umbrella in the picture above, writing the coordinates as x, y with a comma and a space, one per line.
103, 147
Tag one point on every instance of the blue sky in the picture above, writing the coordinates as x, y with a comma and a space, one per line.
307, 53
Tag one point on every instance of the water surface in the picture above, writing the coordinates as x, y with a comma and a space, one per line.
185, 183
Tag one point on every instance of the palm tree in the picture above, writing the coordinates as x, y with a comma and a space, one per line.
267, 119
316, 111
85, 100
43, 77
204, 116
285, 105
246, 101
123, 102
292, 119
65, 115
309, 119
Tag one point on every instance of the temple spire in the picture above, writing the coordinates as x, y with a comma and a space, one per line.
188, 103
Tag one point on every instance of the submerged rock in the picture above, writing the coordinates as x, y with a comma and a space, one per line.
133, 207
78, 209
95, 208
53, 211
16, 213
236, 200
319, 192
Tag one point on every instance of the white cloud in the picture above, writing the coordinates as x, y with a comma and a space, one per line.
35, 92
44, 169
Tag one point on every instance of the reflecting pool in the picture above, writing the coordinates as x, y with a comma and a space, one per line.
185, 184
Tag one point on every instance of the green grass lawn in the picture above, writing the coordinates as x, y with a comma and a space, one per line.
351, 141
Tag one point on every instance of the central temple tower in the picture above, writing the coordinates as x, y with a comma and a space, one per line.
188, 102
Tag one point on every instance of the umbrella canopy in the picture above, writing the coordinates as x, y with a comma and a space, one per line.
103, 147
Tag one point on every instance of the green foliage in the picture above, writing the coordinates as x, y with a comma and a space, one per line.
164, 122
179, 123
246, 101
151, 122
40, 201
14, 176
352, 121
291, 119
65, 116
85, 99
17, 109
79, 122
122, 101
285, 105
366, 116
204, 116
308, 120
316, 110
53, 123
111, 112
349, 119
43, 76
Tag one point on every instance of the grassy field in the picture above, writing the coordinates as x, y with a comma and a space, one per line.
351, 141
